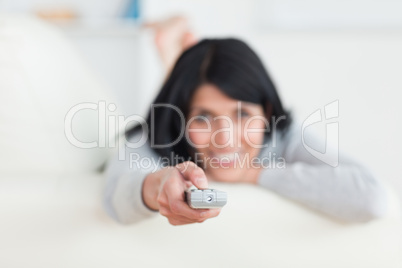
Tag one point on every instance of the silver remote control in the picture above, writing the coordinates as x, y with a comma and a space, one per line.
207, 198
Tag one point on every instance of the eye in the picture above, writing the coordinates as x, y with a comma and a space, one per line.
244, 113
202, 117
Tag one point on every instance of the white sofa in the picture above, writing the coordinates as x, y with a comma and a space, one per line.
51, 193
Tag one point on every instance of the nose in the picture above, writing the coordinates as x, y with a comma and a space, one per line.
224, 133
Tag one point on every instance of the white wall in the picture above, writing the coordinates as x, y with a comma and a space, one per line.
219, 16
329, 14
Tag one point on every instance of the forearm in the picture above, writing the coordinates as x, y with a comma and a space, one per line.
123, 198
347, 192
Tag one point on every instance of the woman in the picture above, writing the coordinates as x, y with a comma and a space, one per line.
216, 118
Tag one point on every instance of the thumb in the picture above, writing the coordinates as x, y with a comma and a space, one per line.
191, 172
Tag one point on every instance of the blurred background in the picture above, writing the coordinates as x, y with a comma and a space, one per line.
316, 52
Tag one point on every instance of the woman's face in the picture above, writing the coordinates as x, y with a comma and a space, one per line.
225, 132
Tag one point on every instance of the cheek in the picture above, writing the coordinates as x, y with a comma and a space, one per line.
254, 133
199, 138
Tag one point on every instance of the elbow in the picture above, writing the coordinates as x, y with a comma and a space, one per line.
113, 213
376, 208
372, 205
370, 198
109, 209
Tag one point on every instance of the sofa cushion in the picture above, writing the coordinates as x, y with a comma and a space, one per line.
42, 78
58, 221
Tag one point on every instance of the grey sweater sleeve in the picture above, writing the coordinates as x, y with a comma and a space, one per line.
125, 174
348, 192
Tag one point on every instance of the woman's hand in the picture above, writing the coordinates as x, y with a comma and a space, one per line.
165, 191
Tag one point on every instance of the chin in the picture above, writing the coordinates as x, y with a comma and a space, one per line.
225, 174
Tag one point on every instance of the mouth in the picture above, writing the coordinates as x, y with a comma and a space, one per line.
225, 159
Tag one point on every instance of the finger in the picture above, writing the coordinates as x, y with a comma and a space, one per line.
173, 197
211, 213
162, 199
176, 222
181, 208
165, 211
184, 219
193, 173
173, 187
188, 184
